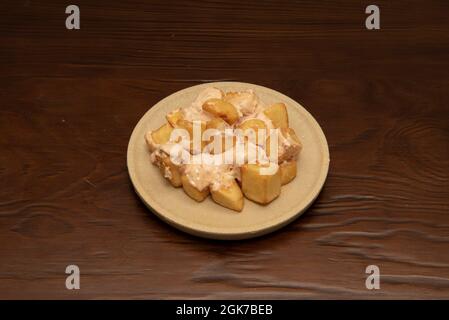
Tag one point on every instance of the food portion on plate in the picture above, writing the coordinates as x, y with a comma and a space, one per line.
227, 145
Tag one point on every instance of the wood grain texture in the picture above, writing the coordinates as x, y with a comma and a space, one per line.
70, 99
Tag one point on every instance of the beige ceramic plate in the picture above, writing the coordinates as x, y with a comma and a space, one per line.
208, 219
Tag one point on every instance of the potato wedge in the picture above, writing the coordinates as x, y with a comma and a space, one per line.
260, 188
278, 115
192, 191
288, 171
221, 109
173, 117
229, 196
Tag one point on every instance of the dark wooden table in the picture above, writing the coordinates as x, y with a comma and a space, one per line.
70, 99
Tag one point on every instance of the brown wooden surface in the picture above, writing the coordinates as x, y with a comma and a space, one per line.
70, 99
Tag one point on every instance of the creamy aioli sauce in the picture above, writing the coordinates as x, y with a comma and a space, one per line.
195, 110
204, 175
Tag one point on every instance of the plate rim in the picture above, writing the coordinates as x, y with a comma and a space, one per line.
210, 232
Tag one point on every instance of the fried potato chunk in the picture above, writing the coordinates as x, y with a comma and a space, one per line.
174, 116
162, 135
258, 187
192, 191
245, 101
217, 123
289, 145
229, 196
288, 171
255, 125
221, 109
278, 115
158, 136
289, 132
170, 171
206, 94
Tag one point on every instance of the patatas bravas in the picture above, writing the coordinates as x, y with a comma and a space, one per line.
228, 182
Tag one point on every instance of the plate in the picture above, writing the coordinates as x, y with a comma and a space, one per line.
208, 219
